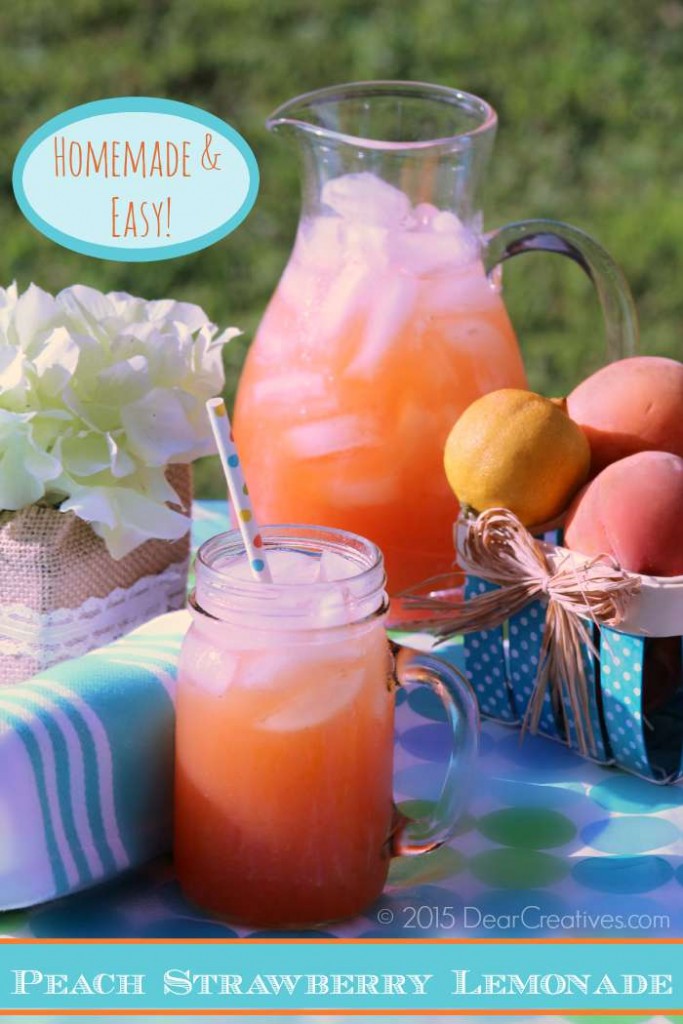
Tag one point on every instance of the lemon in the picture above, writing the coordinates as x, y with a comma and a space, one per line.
517, 450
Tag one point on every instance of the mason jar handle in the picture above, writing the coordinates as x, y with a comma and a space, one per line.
618, 309
453, 690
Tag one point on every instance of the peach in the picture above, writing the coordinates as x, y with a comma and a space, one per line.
633, 511
633, 405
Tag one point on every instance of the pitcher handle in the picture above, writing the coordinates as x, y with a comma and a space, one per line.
452, 688
618, 309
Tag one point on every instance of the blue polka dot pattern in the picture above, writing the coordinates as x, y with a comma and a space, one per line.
621, 670
603, 752
624, 794
623, 875
485, 664
431, 742
525, 632
600, 751
504, 682
425, 702
630, 834
567, 798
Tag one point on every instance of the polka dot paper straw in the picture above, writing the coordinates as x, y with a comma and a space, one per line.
239, 493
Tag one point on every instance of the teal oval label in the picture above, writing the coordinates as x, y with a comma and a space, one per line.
135, 179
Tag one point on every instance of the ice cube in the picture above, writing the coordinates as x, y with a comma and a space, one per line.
445, 222
428, 252
391, 310
366, 197
332, 436
317, 258
346, 297
465, 288
334, 567
327, 693
299, 284
261, 669
289, 567
366, 491
336, 608
319, 242
424, 214
293, 567
214, 671
238, 570
366, 244
290, 387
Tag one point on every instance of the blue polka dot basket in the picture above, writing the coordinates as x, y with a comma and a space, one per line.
635, 684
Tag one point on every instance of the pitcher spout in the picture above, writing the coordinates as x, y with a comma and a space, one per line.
406, 115
429, 141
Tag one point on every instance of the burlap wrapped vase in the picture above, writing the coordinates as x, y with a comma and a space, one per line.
62, 594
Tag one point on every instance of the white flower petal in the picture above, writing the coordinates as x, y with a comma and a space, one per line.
35, 315
15, 378
86, 304
124, 382
56, 363
128, 308
225, 336
152, 482
124, 518
48, 425
9, 296
159, 430
84, 453
95, 505
172, 358
120, 461
186, 313
18, 486
24, 467
8, 302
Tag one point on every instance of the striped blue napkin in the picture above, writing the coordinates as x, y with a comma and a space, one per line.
86, 765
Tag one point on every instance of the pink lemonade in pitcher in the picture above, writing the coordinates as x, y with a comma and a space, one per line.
383, 329
389, 320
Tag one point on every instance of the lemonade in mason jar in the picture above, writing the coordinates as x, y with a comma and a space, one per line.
285, 732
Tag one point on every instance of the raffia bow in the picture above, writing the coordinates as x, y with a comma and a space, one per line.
497, 547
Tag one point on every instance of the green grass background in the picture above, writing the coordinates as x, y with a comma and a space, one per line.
589, 98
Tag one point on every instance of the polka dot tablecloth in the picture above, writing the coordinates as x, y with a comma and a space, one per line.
552, 845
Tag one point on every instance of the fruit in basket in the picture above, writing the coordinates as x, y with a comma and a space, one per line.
517, 450
630, 406
632, 511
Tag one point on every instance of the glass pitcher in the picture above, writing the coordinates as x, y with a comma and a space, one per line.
388, 320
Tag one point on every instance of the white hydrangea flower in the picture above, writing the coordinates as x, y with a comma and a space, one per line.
98, 395
26, 468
